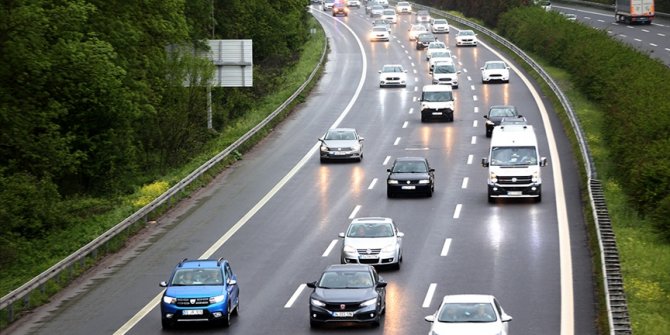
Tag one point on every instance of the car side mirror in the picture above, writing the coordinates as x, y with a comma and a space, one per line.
401, 234
341, 235
232, 281
381, 284
388, 170
543, 161
162, 284
458, 72
311, 284
485, 162
485, 116
405, 71
505, 318
430, 318
431, 170
481, 68
380, 71
361, 138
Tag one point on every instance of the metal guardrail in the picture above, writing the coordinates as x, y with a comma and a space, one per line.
22, 294
617, 308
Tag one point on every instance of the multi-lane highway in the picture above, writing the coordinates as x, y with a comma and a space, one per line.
653, 39
276, 213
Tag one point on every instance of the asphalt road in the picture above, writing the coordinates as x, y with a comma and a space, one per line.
652, 39
276, 213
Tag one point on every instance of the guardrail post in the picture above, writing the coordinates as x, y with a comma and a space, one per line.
10, 313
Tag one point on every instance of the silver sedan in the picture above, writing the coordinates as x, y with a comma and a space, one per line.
341, 143
372, 240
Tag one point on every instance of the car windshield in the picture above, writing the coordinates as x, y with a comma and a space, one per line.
378, 7
466, 33
345, 279
410, 167
440, 22
467, 312
437, 45
370, 230
392, 68
511, 156
389, 12
379, 29
502, 112
445, 68
495, 66
189, 277
440, 54
437, 96
419, 28
340, 135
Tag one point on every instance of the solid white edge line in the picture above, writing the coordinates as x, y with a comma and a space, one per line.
295, 296
445, 247
429, 295
329, 249
154, 302
567, 291
354, 212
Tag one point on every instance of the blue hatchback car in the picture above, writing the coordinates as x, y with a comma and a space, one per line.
200, 290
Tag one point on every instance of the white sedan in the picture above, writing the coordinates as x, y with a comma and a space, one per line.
392, 75
495, 70
403, 7
415, 30
466, 37
473, 314
439, 56
436, 46
439, 26
389, 15
379, 33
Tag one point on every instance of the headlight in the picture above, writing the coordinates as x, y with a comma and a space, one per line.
536, 177
324, 148
389, 248
424, 181
493, 178
169, 300
356, 147
489, 122
349, 249
393, 182
217, 299
317, 302
369, 302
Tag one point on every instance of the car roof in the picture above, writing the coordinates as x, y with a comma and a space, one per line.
467, 298
437, 88
342, 129
200, 263
372, 219
348, 267
502, 106
410, 159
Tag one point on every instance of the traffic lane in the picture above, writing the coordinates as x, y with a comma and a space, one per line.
652, 38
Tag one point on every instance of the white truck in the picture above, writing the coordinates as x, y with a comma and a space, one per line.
634, 11
514, 164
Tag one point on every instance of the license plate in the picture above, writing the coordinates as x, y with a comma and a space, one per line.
337, 153
408, 187
343, 314
368, 256
192, 312
437, 113
514, 193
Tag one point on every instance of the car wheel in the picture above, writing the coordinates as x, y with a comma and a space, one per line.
538, 199
429, 193
492, 200
314, 324
455, 87
375, 324
423, 118
389, 193
322, 160
489, 132
166, 324
236, 311
227, 320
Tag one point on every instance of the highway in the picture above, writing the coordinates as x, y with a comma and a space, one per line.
276, 213
652, 39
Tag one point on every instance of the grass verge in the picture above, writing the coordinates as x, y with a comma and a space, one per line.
99, 215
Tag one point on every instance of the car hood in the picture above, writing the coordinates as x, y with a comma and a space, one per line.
369, 243
342, 295
340, 143
204, 291
467, 328
409, 176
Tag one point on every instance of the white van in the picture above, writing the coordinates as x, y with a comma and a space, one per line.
437, 102
514, 163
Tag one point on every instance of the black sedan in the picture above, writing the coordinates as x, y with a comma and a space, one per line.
410, 175
347, 293
424, 39
496, 114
